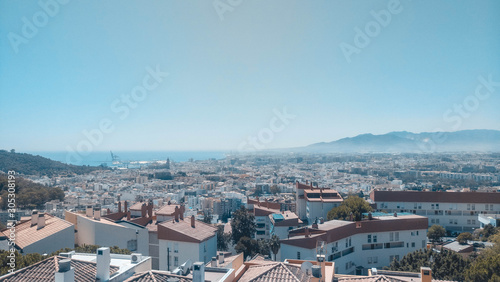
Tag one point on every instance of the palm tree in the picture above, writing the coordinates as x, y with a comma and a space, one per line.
275, 245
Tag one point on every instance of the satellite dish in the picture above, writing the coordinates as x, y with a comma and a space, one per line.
306, 267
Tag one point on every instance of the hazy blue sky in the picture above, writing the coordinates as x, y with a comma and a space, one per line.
227, 76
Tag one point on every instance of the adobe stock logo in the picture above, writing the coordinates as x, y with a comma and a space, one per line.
265, 136
50, 9
461, 111
223, 6
372, 29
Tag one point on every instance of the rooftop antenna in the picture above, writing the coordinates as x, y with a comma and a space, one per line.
321, 253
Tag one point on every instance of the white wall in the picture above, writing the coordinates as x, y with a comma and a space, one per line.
378, 257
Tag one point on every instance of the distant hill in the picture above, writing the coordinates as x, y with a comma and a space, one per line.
29, 195
480, 140
36, 165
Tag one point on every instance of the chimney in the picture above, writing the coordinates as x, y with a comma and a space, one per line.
192, 221
221, 258
150, 210
119, 207
66, 273
315, 225
307, 232
41, 221
34, 217
125, 206
88, 211
181, 214
97, 213
144, 210
214, 262
108, 211
103, 262
198, 272
370, 216
128, 215
426, 274
316, 271
176, 213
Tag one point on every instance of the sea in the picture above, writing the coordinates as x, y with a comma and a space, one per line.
105, 158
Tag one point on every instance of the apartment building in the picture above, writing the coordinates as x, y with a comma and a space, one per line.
315, 203
180, 240
92, 229
455, 211
282, 223
262, 221
42, 233
358, 246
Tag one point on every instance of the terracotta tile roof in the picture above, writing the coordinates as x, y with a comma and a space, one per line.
45, 271
375, 278
263, 211
435, 197
27, 234
137, 206
334, 230
143, 221
156, 276
275, 271
183, 231
167, 210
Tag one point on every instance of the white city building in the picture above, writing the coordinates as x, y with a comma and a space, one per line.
358, 246
455, 211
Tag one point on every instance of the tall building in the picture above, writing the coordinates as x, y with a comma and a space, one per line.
315, 203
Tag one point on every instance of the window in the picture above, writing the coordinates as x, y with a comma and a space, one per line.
369, 238
417, 232
486, 207
396, 235
473, 207
375, 259
176, 247
451, 221
437, 206
491, 207
474, 221
437, 220
298, 255
176, 261
374, 238
349, 242
346, 243
456, 221
397, 257
369, 260
432, 206
391, 236
468, 221
468, 207
423, 244
413, 244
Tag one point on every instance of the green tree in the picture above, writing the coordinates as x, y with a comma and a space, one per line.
436, 232
351, 205
274, 189
242, 224
275, 245
487, 266
487, 231
207, 217
446, 265
462, 238
247, 246
223, 239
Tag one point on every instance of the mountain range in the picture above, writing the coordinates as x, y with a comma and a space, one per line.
479, 140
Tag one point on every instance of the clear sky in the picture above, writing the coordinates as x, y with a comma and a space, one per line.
230, 70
